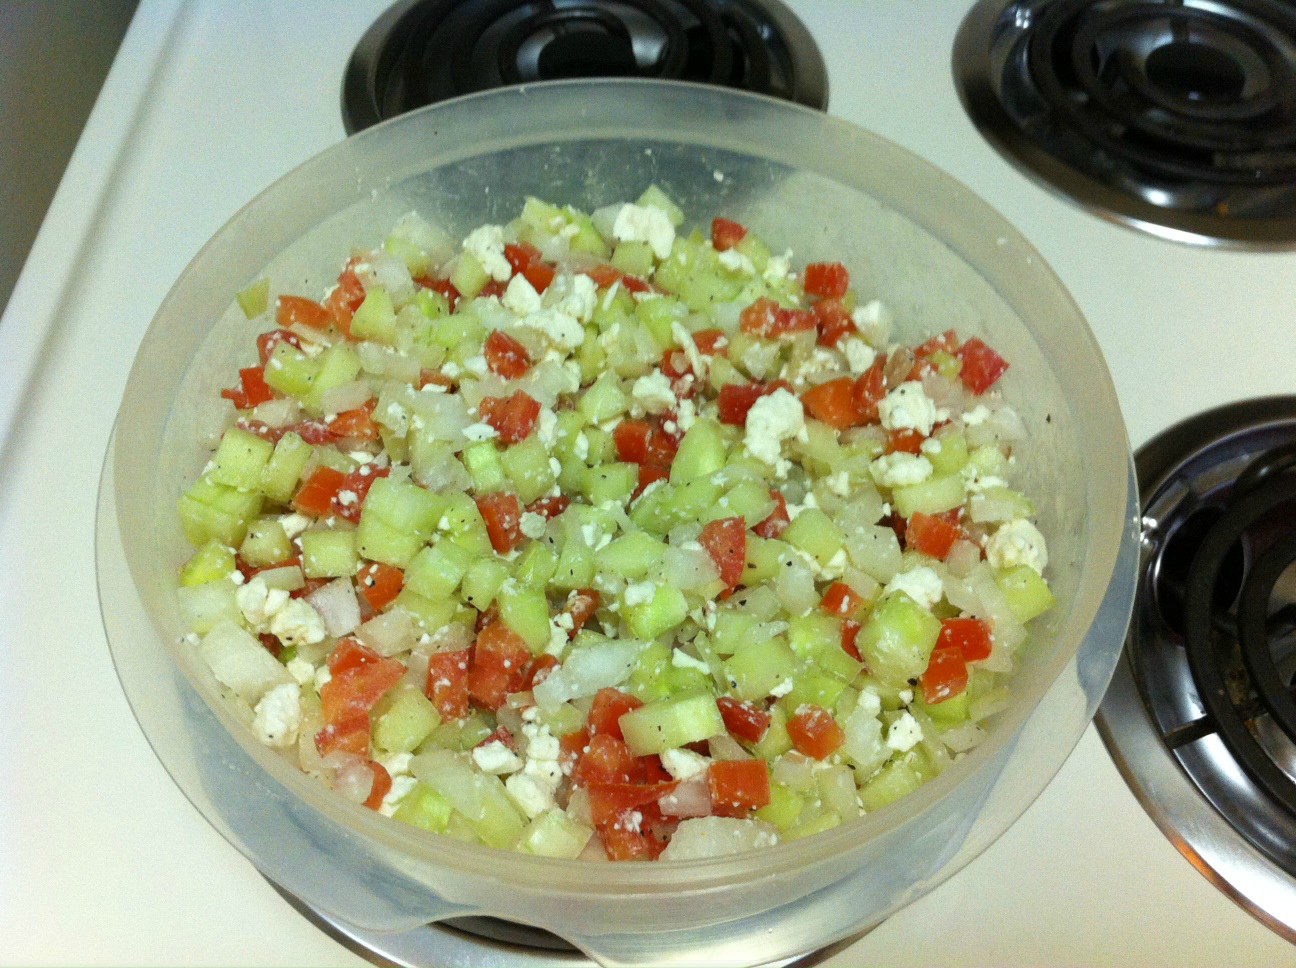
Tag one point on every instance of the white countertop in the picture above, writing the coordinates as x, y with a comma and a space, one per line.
103, 861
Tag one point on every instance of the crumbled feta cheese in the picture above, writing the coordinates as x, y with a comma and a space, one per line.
480, 431
899, 469
297, 623
562, 330
653, 392
1017, 543
682, 660
532, 796
572, 295
294, 524
323, 675
977, 415
547, 427
301, 670
859, 355
922, 584
794, 509
684, 764
487, 246
839, 483
777, 268
685, 414
532, 525
476, 365
782, 689
873, 320
580, 446
645, 223
904, 734
682, 336
278, 715
735, 261
908, 407
774, 418
400, 788
521, 298
259, 603
495, 757
347, 498
640, 593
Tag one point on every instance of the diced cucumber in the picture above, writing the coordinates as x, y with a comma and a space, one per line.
282, 472
424, 808
603, 400
468, 275
479, 797
403, 719
375, 319
437, 570
776, 740
809, 635
255, 299
527, 466
898, 777
812, 688
765, 558
759, 667
654, 197
525, 610
555, 834
635, 258
935, 495
206, 606
667, 609
432, 614
483, 581
632, 555
671, 723
290, 371
337, 365
951, 456
1027, 593
240, 459
209, 510
609, 482
999, 503
329, 554
482, 460
266, 543
465, 525
212, 562
898, 638
783, 809
813, 532
701, 453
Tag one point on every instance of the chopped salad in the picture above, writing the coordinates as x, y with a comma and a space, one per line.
589, 536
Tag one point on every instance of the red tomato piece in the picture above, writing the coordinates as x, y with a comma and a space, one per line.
541, 666
346, 296
571, 747
292, 310
735, 400
738, 787
946, 342
833, 402
604, 275
725, 541
711, 342
347, 735
512, 417
443, 286
382, 784
505, 355
357, 424
970, 635
904, 441
350, 498
834, 321
318, 493
581, 605
313, 432
253, 389
650, 474
447, 682
827, 279
605, 759
520, 255
631, 438
378, 584
946, 674
259, 429
850, 632
622, 842
609, 802
778, 519
675, 364
267, 342
982, 366
743, 720
931, 534
500, 663
360, 677
760, 318
502, 513
549, 507
840, 599
605, 714
540, 275
870, 388
725, 233
814, 732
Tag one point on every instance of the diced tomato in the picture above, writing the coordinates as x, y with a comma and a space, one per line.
833, 402
493, 287
267, 342
293, 310
346, 297
725, 234
502, 513
931, 534
622, 842
434, 378
840, 599
270, 642
738, 787
814, 732
675, 363
603, 275
571, 747
834, 321
512, 417
581, 605
346, 735
313, 432
982, 366
520, 255
378, 584
735, 400
443, 286
778, 519
946, 342
605, 713
827, 279
318, 493
760, 318
541, 666
350, 653
253, 390
904, 441
500, 663
711, 342
870, 388
505, 355
850, 632
609, 802
631, 439
349, 500
725, 540
360, 677
540, 275
382, 784
970, 635
743, 720
357, 424
549, 507
635, 284
650, 474
447, 682
262, 430
946, 674
605, 759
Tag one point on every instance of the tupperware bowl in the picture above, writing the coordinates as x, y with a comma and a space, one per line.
910, 235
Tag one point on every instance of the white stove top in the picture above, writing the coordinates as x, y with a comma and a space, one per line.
101, 858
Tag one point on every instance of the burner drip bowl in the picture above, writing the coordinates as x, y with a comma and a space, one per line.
1177, 117
423, 51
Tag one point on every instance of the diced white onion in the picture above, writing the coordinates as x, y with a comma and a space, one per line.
691, 798
238, 660
963, 737
338, 607
287, 577
717, 836
203, 606
587, 670
283, 412
352, 778
347, 396
725, 747
963, 557
794, 771
838, 790
389, 272
388, 633
689, 568
794, 586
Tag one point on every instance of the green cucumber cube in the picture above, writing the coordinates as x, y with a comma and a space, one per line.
437, 570
282, 472
813, 532
701, 453
424, 808
1027, 593
266, 543
536, 565
290, 371
526, 611
760, 667
555, 834
403, 719
338, 365
212, 562
483, 581
329, 554
468, 275
482, 460
239, 459
527, 466
671, 723
935, 495
375, 319
209, 510
255, 299
666, 610
897, 639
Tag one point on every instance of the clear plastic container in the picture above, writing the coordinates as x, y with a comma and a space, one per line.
937, 255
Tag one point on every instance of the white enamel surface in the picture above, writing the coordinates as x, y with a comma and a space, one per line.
102, 861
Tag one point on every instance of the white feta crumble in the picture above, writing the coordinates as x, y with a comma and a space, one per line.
904, 734
908, 407
259, 603
400, 788
685, 414
297, 623
977, 415
476, 365
922, 584
323, 676
1017, 543
653, 392
531, 796
580, 446
682, 660
294, 524
873, 320
532, 788
573, 295
301, 670
899, 469
480, 431
521, 298
547, 427
278, 715
777, 268
684, 764
782, 689
487, 246
774, 418
859, 355
533, 525
561, 329
735, 261
495, 757
645, 223
839, 483
640, 593
682, 336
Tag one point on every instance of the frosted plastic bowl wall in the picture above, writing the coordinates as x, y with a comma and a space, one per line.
909, 234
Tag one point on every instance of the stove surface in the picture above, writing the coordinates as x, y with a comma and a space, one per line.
102, 861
